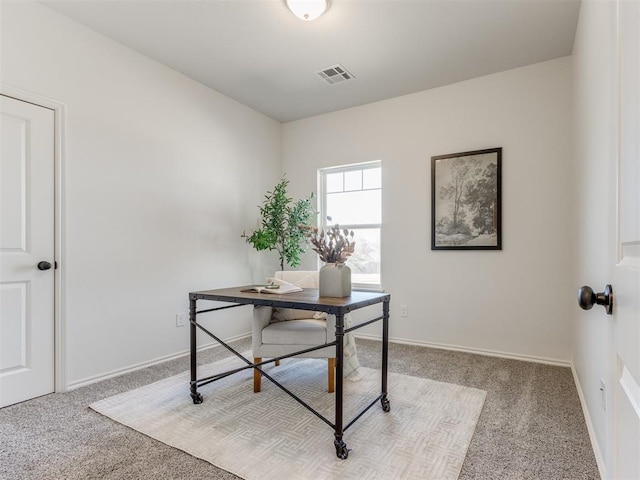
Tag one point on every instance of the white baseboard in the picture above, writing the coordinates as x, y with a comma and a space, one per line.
121, 371
592, 433
490, 353
477, 351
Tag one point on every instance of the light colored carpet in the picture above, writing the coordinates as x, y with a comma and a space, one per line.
270, 436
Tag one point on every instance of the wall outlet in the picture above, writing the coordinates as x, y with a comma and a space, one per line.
181, 319
603, 395
404, 311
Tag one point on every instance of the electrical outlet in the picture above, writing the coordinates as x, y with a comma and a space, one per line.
603, 395
404, 311
181, 319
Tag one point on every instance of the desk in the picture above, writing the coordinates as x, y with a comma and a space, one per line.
305, 300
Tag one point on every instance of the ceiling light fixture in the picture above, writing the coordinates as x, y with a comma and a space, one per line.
308, 10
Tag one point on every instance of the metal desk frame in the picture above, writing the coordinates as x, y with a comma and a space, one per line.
306, 300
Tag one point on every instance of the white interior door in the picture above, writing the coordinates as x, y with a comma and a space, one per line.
626, 273
26, 239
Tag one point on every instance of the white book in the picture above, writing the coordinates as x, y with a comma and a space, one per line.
276, 286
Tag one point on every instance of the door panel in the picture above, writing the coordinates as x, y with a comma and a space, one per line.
12, 183
626, 274
13, 311
26, 238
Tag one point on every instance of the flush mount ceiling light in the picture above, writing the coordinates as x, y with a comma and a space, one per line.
308, 9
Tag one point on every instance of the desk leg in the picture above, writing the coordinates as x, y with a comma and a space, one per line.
341, 448
195, 396
385, 355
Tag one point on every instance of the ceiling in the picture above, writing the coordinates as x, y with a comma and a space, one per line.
258, 53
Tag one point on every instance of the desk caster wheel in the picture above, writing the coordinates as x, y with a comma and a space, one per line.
197, 398
386, 406
341, 449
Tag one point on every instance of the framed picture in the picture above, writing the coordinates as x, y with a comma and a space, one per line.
465, 201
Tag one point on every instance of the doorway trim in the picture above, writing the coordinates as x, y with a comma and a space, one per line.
59, 314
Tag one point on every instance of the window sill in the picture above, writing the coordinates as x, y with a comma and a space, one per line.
367, 288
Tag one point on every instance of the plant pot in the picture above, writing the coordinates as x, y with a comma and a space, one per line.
335, 280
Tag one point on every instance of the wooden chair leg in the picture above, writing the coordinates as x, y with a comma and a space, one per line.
256, 376
331, 362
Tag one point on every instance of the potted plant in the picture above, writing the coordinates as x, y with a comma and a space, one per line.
280, 229
334, 246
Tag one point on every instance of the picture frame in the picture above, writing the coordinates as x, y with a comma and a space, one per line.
466, 200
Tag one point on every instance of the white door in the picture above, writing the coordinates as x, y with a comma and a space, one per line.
26, 239
626, 273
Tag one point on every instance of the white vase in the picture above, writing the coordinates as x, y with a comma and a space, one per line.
335, 280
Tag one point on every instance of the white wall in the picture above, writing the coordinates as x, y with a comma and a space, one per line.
516, 301
157, 192
595, 152
161, 176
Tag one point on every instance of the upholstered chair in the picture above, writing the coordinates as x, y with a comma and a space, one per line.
281, 331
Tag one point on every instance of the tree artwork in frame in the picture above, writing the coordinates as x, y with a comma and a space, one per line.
465, 201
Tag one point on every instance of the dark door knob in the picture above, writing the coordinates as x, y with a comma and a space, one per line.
587, 298
44, 265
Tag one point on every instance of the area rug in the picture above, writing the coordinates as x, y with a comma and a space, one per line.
269, 435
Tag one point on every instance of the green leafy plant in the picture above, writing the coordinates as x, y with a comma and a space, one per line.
280, 230
333, 245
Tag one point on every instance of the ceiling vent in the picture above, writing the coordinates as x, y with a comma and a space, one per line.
335, 74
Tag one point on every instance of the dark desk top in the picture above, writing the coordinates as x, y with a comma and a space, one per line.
305, 300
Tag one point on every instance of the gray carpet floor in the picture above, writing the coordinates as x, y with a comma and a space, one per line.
531, 427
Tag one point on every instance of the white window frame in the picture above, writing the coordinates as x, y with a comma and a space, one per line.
322, 210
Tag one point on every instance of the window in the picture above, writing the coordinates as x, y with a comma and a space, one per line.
352, 196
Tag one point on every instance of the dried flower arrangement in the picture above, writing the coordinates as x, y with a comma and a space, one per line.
333, 245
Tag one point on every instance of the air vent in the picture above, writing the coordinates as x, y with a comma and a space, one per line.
335, 74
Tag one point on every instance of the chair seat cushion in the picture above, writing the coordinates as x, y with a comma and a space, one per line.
286, 314
296, 332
